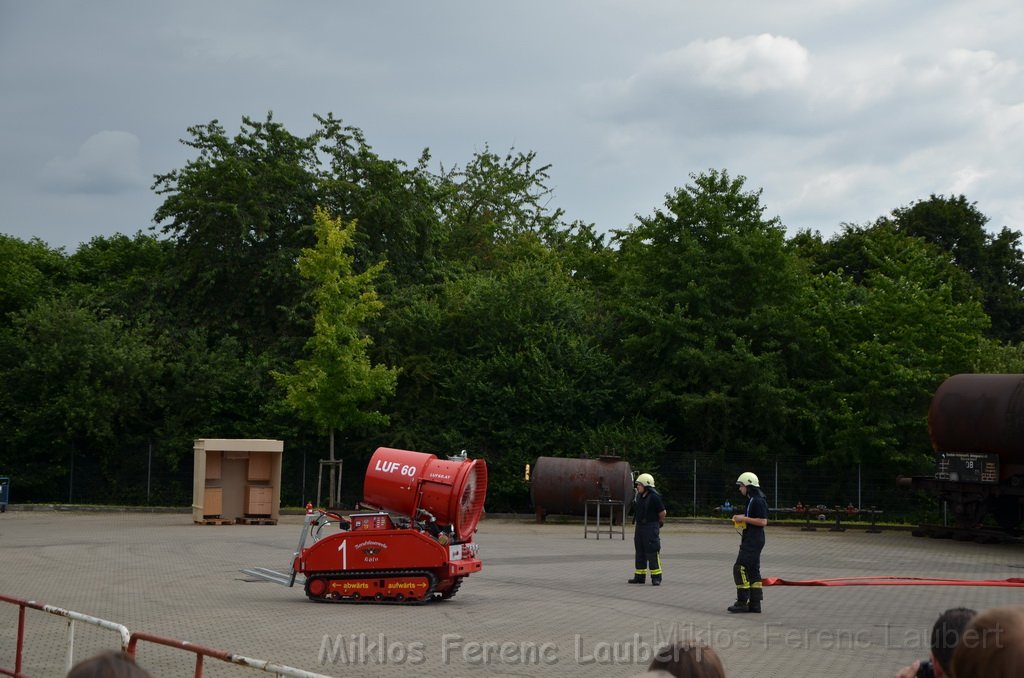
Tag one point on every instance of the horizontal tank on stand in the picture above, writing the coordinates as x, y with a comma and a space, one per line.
561, 485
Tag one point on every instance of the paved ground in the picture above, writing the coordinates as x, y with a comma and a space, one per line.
547, 603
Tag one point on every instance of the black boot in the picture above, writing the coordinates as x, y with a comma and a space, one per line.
655, 580
742, 603
756, 596
637, 579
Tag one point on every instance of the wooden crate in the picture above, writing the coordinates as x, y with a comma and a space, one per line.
260, 466
258, 500
213, 501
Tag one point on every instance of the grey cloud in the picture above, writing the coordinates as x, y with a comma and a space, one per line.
743, 66
840, 111
107, 162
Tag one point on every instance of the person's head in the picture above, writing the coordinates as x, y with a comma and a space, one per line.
111, 664
946, 633
688, 659
992, 645
643, 482
746, 481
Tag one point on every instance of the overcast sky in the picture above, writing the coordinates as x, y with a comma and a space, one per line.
840, 110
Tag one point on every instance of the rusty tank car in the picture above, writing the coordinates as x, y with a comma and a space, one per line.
976, 426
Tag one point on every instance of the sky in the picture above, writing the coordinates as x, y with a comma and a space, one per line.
839, 111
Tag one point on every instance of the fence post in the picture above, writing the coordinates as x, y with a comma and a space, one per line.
776, 482
71, 645
693, 511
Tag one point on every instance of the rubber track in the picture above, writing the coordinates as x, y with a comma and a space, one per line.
455, 589
374, 574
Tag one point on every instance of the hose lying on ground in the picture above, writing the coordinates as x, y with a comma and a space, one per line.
892, 581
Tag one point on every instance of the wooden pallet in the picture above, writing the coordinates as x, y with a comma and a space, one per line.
255, 520
210, 520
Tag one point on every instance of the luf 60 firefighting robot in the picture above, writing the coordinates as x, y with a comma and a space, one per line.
411, 542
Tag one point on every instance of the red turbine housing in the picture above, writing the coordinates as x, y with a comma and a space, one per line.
415, 542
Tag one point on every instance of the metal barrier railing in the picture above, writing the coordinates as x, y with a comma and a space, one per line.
71, 616
129, 642
201, 651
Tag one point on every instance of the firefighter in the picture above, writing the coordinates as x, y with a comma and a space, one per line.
648, 514
747, 570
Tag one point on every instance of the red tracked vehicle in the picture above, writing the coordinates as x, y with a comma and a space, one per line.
412, 540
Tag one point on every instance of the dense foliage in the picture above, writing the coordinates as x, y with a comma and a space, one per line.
299, 286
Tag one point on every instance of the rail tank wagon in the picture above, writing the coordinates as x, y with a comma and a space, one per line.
976, 426
562, 486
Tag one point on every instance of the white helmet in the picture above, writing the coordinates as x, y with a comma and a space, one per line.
645, 479
748, 479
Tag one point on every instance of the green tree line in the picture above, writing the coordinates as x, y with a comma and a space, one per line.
307, 289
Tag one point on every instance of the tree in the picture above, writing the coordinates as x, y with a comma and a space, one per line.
239, 214
74, 382
882, 341
494, 200
707, 297
501, 350
337, 387
29, 271
126, 277
953, 224
994, 262
396, 206
507, 364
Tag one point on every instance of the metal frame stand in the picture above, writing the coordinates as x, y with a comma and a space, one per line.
612, 505
335, 501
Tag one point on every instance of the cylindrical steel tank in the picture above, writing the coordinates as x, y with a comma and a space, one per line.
560, 485
451, 491
979, 413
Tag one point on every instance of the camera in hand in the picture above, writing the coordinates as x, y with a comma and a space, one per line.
926, 670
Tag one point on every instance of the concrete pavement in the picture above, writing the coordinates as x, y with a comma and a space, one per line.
547, 603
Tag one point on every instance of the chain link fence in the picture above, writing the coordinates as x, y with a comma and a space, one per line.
693, 484
143, 477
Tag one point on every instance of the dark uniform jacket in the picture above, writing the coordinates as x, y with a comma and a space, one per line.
648, 507
753, 535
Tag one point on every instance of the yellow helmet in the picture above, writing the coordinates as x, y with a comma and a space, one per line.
645, 479
748, 479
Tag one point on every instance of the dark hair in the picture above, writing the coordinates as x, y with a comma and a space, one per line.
112, 664
687, 659
992, 645
946, 633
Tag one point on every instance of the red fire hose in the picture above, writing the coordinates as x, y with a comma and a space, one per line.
892, 581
